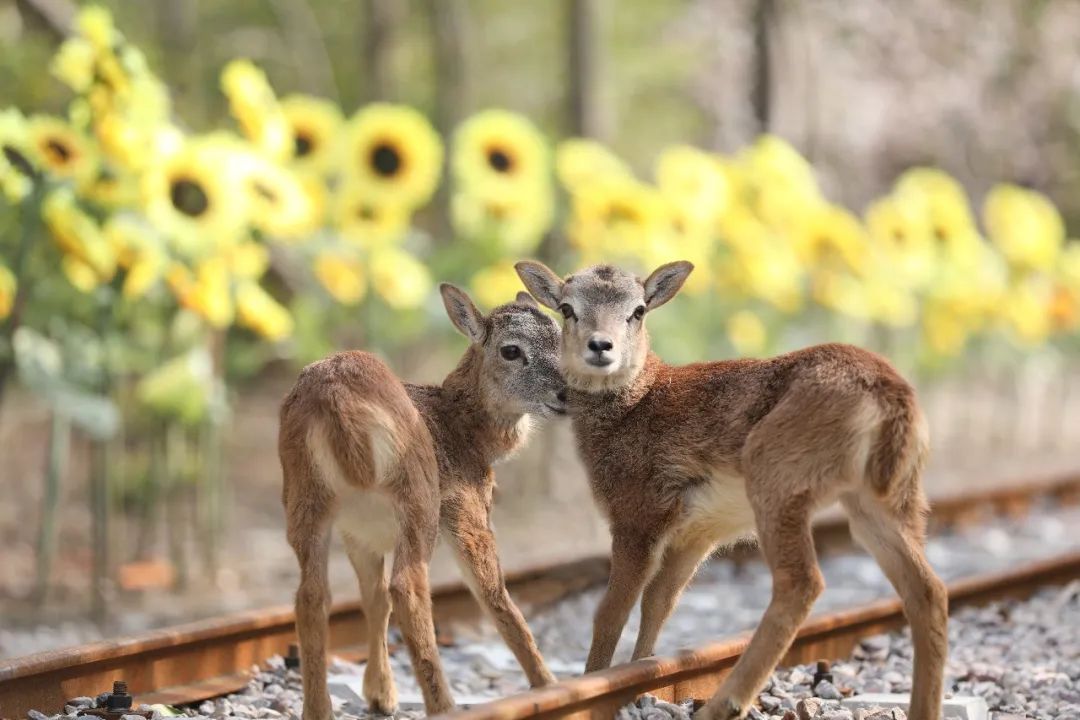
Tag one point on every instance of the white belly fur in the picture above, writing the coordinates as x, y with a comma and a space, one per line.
714, 513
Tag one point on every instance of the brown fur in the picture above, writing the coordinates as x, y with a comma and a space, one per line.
391, 463
682, 459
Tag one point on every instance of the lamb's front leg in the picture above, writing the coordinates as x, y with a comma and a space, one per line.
467, 528
631, 562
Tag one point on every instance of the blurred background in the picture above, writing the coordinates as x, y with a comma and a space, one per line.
199, 198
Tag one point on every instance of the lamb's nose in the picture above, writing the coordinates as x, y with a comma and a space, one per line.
599, 343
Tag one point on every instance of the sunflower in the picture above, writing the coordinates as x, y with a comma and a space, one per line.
280, 204
205, 292
399, 279
1026, 312
16, 169
61, 150
499, 149
73, 64
193, 198
945, 207
779, 183
8, 286
247, 260
258, 311
580, 162
619, 217
394, 154
365, 219
1025, 226
747, 333
111, 189
495, 284
694, 184
256, 109
77, 234
901, 233
515, 223
342, 275
95, 23
759, 264
831, 239
138, 250
314, 124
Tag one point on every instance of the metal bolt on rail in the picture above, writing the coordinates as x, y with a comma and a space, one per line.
114, 705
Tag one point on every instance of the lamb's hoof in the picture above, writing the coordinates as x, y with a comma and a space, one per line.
726, 709
382, 701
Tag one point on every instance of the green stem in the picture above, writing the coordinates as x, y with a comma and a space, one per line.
56, 468
30, 214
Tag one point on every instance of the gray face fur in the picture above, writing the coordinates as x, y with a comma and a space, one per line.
604, 339
519, 346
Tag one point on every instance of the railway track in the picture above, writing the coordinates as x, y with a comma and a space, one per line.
209, 658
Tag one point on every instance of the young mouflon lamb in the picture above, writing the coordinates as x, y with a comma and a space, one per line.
390, 464
683, 459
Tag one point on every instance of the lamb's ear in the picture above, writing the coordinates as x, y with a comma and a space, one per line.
544, 284
524, 298
665, 282
463, 313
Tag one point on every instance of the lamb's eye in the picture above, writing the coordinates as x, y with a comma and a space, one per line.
639, 312
567, 311
510, 352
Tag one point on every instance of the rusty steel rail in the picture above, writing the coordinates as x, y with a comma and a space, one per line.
698, 672
204, 659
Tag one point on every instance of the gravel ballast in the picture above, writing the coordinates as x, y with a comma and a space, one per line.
1023, 658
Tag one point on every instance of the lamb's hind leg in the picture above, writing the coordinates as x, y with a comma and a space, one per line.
379, 690
784, 533
411, 596
895, 539
309, 536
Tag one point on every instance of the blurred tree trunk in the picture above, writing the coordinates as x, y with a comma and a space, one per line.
761, 87
588, 116
448, 21
304, 36
177, 34
382, 19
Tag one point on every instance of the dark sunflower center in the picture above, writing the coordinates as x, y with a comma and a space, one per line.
18, 161
366, 213
58, 151
385, 159
940, 234
264, 192
500, 160
189, 197
303, 144
621, 214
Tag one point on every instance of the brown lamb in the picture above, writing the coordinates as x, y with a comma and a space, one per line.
390, 464
683, 459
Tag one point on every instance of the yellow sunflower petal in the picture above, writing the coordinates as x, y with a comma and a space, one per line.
342, 275
580, 162
77, 234
256, 108
258, 311
747, 333
1025, 226
8, 287
16, 166
399, 278
367, 220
